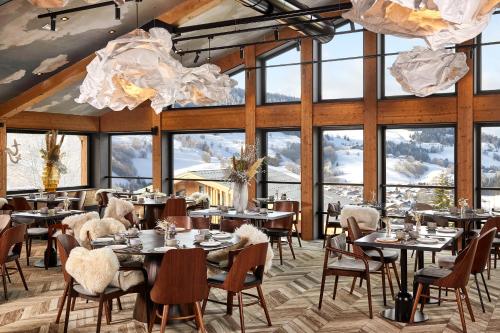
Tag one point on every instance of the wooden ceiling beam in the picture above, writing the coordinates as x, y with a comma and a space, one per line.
187, 11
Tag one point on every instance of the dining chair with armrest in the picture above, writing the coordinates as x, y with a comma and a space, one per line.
11, 244
175, 206
276, 229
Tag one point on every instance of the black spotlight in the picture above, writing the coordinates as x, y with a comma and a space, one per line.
53, 23
276, 34
197, 57
242, 52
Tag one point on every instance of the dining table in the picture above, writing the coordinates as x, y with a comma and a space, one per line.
256, 217
151, 247
50, 202
428, 241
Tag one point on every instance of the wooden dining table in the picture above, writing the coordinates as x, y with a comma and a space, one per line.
151, 240
256, 217
50, 202
404, 300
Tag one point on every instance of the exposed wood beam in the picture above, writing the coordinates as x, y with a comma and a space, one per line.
45, 121
136, 120
187, 11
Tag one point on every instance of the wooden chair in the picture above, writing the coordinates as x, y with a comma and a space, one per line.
7, 209
175, 206
74, 290
479, 264
276, 229
359, 266
182, 221
290, 206
65, 243
20, 204
387, 257
181, 279
333, 211
102, 199
246, 272
200, 222
11, 244
4, 223
456, 279
493, 222
229, 225
80, 204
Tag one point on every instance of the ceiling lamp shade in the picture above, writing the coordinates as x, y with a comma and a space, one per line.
139, 66
423, 72
438, 22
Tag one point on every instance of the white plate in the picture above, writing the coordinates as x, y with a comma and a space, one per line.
103, 240
117, 246
223, 235
427, 240
163, 249
179, 229
447, 230
252, 213
215, 232
210, 244
387, 240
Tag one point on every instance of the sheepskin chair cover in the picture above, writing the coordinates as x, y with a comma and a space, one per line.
367, 217
101, 190
3, 202
118, 208
93, 269
255, 236
99, 228
76, 222
127, 279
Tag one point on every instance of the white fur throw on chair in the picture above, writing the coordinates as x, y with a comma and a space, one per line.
118, 208
76, 222
101, 190
98, 228
94, 269
3, 202
255, 236
367, 217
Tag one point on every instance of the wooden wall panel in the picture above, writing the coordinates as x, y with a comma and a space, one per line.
338, 113
279, 115
46, 121
417, 110
306, 135
370, 169
487, 108
137, 120
204, 119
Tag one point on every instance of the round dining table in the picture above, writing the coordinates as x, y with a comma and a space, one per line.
151, 241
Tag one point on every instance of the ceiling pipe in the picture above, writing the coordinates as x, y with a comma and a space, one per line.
302, 24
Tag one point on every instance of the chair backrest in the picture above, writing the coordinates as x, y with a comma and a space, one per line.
483, 250
175, 207
492, 222
459, 277
81, 200
20, 203
354, 233
229, 225
102, 199
181, 221
4, 222
65, 243
200, 222
334, 209
12, 240
181, 278
250, 259
130, 217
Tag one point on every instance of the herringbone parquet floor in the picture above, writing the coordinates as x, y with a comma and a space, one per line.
291, 292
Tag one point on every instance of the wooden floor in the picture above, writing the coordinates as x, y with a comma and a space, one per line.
291, 292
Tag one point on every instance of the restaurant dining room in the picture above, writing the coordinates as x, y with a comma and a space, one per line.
250, 165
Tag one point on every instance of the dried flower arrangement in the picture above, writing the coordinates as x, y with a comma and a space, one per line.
51, 154
244, 166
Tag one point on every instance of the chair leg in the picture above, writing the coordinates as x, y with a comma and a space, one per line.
164, 318
439, 297
107, 311
369, 288
396, 274
242, 316
61, 303
324, 233
205, 302
469, 306
335, 286
73, 304
199, 317
289, 238
298, 235
361, 282
353, 285
486, 287
229, 302
263, 304
321, 291
20, 273
8, 275
384, 294
461, 310
389, 278
280, 251
4, 270
416, 301
489, 266
119, 304
479, 293
152, 318
68, 309
99, 315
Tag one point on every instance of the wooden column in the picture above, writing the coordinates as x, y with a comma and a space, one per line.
370, 170
157, 150
84, 160
306, 137
3, 158
250, 105
465, 132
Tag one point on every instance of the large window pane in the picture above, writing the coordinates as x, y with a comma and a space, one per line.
26, 173
200, 160
343, 156
490, 66
419, 164
283, 83
342, 78
131, 156
283, 164
394, 44
490, 167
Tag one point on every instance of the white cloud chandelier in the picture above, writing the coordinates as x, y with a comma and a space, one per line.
423, 72
438, 22
139, 66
